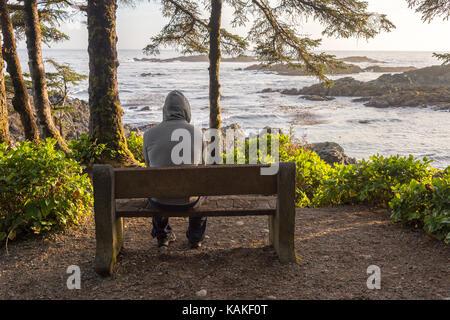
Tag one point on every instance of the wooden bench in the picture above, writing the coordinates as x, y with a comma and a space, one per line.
181, 181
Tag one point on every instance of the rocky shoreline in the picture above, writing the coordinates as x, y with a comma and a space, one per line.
285, 70
429, 86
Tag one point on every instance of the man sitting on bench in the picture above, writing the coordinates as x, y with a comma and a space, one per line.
158, 146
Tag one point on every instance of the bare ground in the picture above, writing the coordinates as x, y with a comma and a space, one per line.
335, 246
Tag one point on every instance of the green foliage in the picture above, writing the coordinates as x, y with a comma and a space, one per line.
430, 9
135, 145
444, 57
425, 203
311, 171
273, 29
40, 189
51, 15
371, 181
58, 82
414, 190
85, 150
188, 30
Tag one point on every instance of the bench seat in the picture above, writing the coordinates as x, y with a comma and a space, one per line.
121, 193
139, 208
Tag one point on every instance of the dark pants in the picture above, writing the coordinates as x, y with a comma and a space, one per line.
161, 227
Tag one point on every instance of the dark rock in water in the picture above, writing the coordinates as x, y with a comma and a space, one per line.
149, 74
269, 90
270, 130
364, 99
286, 70
139, 130
317, 98
439, 97
239, 135
198, 58
240, 59
422, 87
331, 153
347, 86
291, 92
147, 59
146, 108
360, 59
389, 69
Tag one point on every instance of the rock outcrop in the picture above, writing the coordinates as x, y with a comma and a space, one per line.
331, 153
428, 86
388, 69
356, 59
71, 122
286, 70
198, 58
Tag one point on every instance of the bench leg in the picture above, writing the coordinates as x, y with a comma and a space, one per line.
282, 224
108, 227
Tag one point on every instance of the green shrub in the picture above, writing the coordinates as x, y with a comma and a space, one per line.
425, 203
371, 181
85, 150
40, 189
311, 171
135, 145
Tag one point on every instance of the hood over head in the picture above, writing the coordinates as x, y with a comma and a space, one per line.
176, 107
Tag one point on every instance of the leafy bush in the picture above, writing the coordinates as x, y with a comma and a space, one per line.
85, 150
135, 145
311, 171
371, 181
425, 203
40, 189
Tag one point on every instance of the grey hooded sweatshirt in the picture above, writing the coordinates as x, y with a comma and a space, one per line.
158, 142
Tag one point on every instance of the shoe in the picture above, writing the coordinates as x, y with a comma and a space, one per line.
164, 242
195, 244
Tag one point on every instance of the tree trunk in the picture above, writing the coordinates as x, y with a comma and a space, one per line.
105, 110
4, 125
214, 64
21, 100
36, 65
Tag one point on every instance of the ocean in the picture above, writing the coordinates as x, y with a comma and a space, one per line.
362, 131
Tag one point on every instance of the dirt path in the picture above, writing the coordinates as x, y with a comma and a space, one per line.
336, 245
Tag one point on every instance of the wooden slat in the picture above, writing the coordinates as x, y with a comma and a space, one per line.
194, 213
181, 181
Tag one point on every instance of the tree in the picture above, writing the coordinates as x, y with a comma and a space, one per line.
105, 110
276, 38
444, 57
21, 100
193, 34
430, 9
58, 84
214, 63
36, 66
274, 33
4, 125
50, 17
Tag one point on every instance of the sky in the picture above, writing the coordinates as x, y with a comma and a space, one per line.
135, 27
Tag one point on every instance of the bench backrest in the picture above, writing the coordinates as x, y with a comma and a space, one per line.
181, 181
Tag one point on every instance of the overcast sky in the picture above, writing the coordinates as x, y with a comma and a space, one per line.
135, 26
